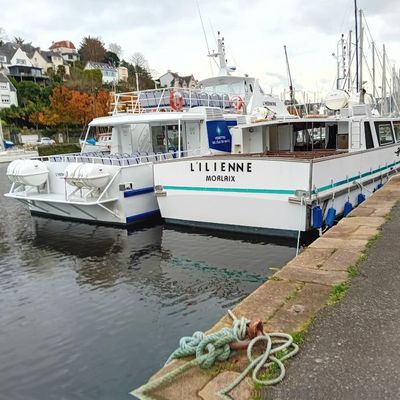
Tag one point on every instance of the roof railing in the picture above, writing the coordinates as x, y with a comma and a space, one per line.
169, 99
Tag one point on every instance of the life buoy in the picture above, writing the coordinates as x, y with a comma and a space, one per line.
175, 100
237, 102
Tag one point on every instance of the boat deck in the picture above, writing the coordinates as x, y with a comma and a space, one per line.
299, 155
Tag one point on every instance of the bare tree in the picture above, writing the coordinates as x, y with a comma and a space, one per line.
3, 36
18, 40
139, 60
115, 48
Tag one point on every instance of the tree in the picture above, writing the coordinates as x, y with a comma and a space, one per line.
92, 49
139, 60
112, 59
18, 40
115, 48
3, 36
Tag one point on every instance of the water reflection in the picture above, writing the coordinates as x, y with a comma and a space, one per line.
92, 312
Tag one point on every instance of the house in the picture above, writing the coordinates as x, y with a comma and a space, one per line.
173, 79
122, 74
49, 59
8, 93
66, 49
15, 61
108, 72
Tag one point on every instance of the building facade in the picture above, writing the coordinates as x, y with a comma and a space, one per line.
66, 49
8, 93
108, 72
173, 79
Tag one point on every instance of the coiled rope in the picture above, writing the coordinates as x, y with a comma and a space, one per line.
217, 347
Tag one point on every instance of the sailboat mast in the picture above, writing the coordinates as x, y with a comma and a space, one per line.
361, 59
356, 26
290, 78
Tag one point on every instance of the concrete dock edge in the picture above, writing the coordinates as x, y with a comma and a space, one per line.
291, 298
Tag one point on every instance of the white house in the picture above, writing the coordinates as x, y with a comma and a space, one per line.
172, 79
8, 93
108, 72
67, 50
15, 61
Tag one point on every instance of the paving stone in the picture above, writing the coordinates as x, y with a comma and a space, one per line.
311, 297
183, 387
340, 231
366, 221
362, 212
382, 212
319, 276
264, 302
341, 260
311, 258
242, 392
336, 243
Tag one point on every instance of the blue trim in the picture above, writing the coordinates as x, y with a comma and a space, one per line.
354, 178
137, 192
137, 217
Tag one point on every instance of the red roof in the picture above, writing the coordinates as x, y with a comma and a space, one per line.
62, 43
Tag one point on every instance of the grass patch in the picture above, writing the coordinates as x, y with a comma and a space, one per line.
352, 272
337, 293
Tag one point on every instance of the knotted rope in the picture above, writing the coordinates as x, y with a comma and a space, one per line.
217, 347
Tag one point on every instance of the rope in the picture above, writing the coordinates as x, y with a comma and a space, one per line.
216, 347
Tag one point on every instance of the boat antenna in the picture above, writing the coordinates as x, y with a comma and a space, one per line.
290, 78
205, 35
357, 50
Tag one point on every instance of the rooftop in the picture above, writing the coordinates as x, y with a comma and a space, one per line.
63, 43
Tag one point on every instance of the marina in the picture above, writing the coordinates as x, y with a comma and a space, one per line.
167, 237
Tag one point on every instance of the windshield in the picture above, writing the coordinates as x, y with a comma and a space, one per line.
235, 88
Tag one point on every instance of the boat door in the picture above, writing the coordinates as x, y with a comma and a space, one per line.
193, 136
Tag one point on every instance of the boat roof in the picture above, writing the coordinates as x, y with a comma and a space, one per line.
296, 120
128, 119
217, 80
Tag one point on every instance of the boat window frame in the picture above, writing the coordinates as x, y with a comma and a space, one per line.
377, 124
369, 140
394, 123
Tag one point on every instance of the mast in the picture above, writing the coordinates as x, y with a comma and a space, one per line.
373, 71
361, 56
290, 78
349, 69
223, 68
356, 31
384, 81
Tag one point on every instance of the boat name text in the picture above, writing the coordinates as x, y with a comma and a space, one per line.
222, 166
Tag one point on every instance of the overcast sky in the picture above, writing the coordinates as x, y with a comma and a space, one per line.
169, 32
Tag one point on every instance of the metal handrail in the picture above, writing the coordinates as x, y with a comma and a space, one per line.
158, 100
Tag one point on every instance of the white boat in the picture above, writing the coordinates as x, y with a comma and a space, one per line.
283, 176
116, 186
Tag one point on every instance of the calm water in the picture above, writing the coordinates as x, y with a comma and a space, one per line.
91, 312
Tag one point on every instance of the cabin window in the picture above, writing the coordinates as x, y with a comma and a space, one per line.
369, 143
384, 132
396, 126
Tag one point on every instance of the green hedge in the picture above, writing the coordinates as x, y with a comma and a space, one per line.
62, 148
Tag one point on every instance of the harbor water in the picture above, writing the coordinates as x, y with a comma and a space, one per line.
90, 312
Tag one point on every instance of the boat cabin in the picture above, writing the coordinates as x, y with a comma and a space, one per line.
315, 135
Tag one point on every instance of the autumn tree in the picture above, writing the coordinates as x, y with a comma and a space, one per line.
92, 49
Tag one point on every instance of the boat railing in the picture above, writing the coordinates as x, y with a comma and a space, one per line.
159, 100
120, 159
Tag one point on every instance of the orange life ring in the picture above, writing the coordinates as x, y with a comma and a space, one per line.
175, 100
237, 102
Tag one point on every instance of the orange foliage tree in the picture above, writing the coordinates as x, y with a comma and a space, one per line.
72, 107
